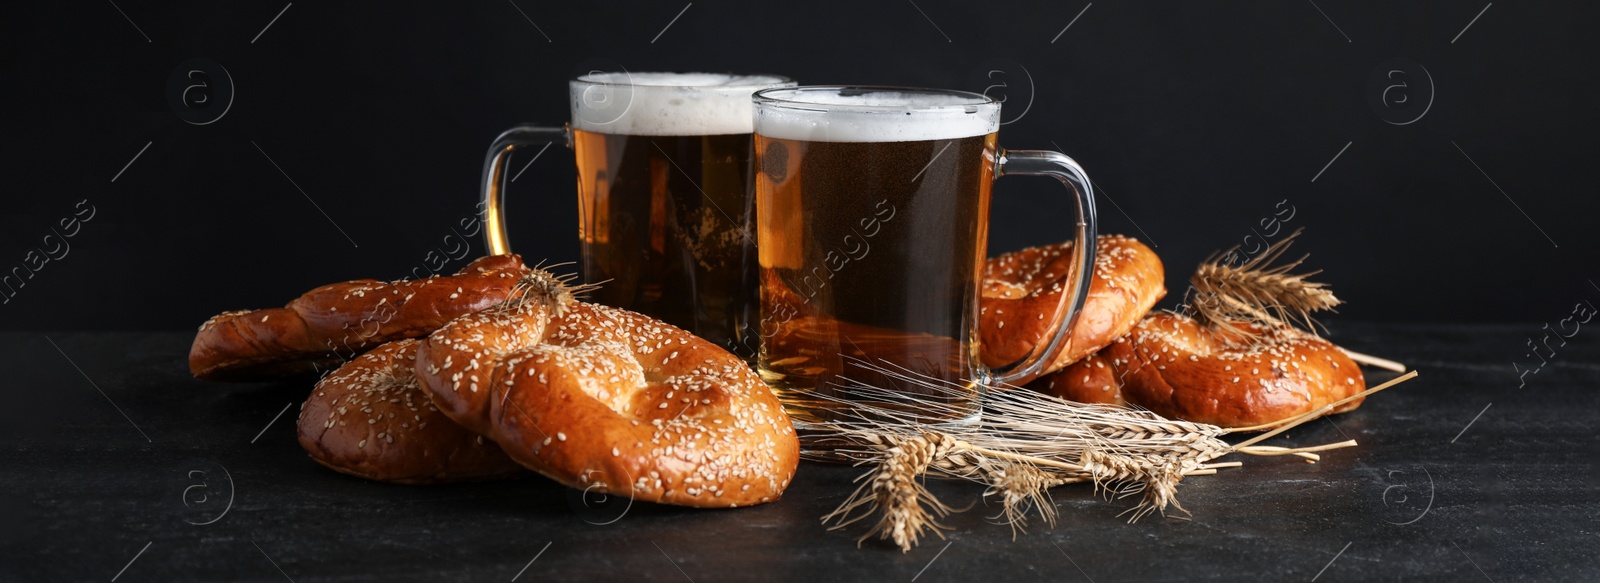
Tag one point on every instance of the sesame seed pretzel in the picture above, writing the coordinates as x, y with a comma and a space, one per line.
371, 419
333, 323
1177, 368
1022, 289
604, 399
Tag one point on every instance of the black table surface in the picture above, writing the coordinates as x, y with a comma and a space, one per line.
119, 466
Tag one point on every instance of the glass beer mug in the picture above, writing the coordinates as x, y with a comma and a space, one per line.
872, 220
663, 195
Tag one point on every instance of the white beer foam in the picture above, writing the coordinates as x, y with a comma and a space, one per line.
666, 104
875, 116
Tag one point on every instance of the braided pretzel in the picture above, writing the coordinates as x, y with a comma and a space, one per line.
333, 323
604, 399
1021, 290
1174, 366
371, 419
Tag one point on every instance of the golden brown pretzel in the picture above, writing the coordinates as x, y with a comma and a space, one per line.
1172, 365
333, 323
604, 399
371, 419
1022, 289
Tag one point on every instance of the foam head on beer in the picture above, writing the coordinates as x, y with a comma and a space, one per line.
666, 104
832, 114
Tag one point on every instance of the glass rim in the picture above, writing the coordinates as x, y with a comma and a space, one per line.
785, 97
771, 81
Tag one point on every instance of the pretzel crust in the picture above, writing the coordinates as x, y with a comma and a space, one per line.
371, 419
1177, 368
606, 400
331, 324
1022, 289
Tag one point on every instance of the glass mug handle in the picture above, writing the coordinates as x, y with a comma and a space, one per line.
494, 178
1058, 165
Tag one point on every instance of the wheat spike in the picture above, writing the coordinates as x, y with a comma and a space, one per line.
1023, 488
896, 492
1023, 445
1222, 295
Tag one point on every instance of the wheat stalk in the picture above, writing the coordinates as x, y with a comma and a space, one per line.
1023, 445
1226, 298
894, 491
1022, 488
542, 287
1221, 296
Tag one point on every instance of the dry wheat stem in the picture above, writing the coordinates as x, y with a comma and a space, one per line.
1373, 361
1320, 411
1024, 445
1021, 481
1286, 424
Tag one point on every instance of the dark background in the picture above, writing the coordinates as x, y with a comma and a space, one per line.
1194, 118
